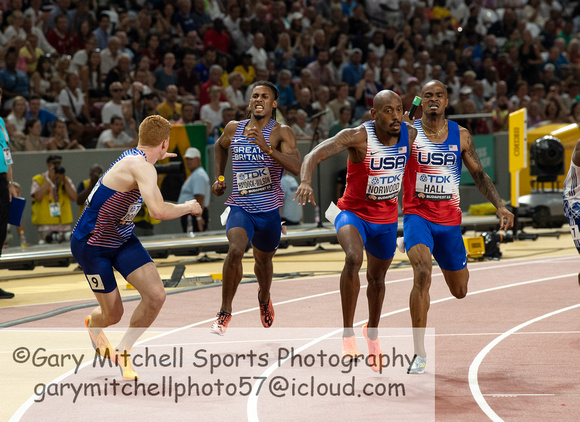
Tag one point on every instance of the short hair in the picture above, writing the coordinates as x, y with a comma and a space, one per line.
154, 130
28, 125
115, 117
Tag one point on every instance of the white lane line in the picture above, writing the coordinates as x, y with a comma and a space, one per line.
474, 367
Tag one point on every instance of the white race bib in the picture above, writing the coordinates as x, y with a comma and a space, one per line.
433, 187
254, 181
382, 188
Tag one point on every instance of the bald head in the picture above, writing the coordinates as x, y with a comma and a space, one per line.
431, 84
385, 96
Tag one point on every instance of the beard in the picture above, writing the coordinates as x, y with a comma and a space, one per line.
258, 117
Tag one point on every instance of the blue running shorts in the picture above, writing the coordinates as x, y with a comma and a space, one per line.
98, 262
444, 242
380, 240
263, 228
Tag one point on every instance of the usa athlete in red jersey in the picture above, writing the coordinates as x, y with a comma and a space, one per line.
432, 217
378, 151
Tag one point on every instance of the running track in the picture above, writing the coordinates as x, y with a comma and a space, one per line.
508, 351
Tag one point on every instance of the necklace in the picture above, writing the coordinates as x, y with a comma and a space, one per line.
433, 131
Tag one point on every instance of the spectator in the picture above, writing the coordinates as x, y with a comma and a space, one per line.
17, 115
40, 79
320, 71
116, 137
291, 211
29, 54
228, 114
304, 102
187, 114
501, 114
15, 29
110, 56
136, 106
575, 113
82, 36
30, 29
58, 79
170, 108
52, 193
321, 106
201, 19
59, 139
114, 107
352, 72
301, 128
286, 96
212, 111
187, 82
76, 112
234, 91
151, 51
120, 72
207, 61
243, 38
13, 82
304, 52
247, 70
59, 37
91, 78
342, 123
184, 17
215, 75
102, 32
85, 187
165, 75
35, 111
217, 37
284, 53
61, 9
33, 141
340, 101
365, 92
259, 55
195, 187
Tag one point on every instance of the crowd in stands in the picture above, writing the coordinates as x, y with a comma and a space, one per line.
85, 73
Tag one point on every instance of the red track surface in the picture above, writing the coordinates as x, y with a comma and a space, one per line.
530, 375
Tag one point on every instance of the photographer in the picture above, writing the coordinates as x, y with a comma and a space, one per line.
52, 193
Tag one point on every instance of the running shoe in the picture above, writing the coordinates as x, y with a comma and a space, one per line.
417, 365
100, 341
221, 323
266, 312
349, 350
375, 358
123, 360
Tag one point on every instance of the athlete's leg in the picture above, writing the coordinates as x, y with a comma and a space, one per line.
457, 281
420, 258
109, 311
264, 270
148, 283
232, 270
376, 272
352, 243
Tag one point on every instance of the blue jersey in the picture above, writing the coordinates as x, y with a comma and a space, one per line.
256, 184
109, 214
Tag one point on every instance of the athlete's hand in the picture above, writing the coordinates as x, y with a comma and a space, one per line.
218, 187
506, 218
194, 207
406, 118
305, 193
256, 137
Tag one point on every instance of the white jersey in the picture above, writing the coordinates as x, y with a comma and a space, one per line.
572, 202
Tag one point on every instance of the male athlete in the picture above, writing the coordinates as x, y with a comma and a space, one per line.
261, 150
432, 217
103, 239
377, 153
572, 197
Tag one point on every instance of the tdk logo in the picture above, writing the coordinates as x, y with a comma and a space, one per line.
386, 180
435, 179
436, 158
388, 163
252, 174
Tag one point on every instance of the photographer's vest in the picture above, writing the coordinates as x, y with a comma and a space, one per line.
41, 215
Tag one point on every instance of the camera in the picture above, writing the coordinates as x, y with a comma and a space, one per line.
59, 170
492, 241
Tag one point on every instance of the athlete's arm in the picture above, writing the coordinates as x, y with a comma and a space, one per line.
482, 181
146, 177
221, 148
283, 143
352, 139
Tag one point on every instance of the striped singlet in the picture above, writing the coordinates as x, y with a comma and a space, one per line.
431, 182
372, 186
109, 214
256, 185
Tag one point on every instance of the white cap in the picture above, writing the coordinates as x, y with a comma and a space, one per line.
465, 90
192, 153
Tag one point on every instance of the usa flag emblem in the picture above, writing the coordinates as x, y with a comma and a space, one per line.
402, 150
452, 147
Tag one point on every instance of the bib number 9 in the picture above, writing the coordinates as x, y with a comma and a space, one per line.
95, 282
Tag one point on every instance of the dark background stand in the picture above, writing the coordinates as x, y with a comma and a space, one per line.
318, 193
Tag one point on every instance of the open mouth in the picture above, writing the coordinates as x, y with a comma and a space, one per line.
259, 108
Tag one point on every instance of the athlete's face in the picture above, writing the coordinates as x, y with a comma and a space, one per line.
262, 102
434, 99
388, 116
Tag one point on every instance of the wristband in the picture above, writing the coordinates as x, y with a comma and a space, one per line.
270, 151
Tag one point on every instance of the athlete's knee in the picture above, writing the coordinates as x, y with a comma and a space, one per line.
112, 316
236, 252
460, 291
353, 259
